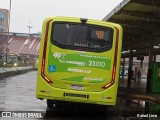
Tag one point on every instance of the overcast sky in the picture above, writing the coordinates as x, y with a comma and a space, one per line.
33, 12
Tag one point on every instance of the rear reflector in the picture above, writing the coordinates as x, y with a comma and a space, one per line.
109, 97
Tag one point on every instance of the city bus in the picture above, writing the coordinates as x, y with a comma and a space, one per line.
79, 61
13, 60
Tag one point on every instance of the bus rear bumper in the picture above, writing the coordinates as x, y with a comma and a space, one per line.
105, 97
78, 96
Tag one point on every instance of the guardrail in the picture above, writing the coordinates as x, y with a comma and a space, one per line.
11, 71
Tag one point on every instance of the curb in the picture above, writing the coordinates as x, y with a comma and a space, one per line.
7, 72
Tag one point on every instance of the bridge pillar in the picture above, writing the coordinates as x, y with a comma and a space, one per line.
150, 62
149, 73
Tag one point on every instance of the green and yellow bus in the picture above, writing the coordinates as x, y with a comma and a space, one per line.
79, 61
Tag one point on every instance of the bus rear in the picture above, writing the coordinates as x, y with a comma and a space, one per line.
79, 61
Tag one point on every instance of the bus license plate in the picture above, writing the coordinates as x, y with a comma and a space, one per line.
77, 87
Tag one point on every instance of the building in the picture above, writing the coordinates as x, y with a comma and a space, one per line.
3, 20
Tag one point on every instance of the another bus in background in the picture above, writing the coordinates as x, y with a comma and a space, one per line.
13, 60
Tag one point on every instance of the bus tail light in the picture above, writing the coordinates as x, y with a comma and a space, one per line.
42, 72
46, 79
115, 62
113, 79
44, 55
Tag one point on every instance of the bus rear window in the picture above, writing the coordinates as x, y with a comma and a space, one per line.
87, 37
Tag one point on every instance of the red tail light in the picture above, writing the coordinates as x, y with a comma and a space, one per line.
114, 73
44, 56
115, 63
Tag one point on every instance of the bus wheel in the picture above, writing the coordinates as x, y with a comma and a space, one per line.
50, 103
56, 105
97, 111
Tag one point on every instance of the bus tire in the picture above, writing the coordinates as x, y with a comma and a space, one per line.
56, 105
98, 111
50, 103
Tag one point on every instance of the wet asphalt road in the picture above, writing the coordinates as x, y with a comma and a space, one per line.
18, 94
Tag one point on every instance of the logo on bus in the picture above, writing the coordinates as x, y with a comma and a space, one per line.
59, 55
52, 68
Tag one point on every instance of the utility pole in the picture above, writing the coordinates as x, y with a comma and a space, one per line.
9, 14
29, 27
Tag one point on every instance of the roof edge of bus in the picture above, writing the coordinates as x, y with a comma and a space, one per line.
89, 19
63, 17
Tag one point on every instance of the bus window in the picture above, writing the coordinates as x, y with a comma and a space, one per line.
74, 36
19, 58
11, 58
